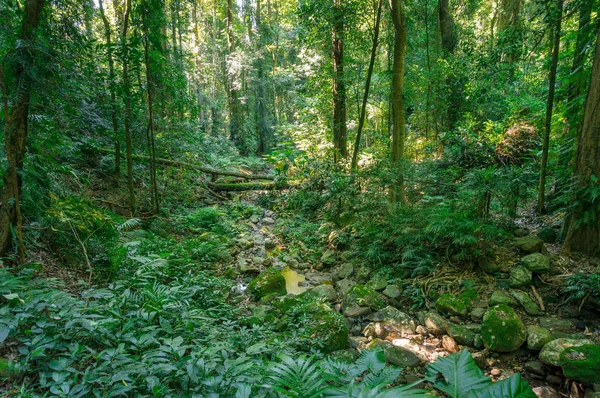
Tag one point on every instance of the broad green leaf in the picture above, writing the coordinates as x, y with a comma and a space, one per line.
513, 387
457, 375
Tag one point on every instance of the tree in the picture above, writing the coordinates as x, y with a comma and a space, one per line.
16, 113
449, 39
397, 193
583, 233
340, 130
127, 98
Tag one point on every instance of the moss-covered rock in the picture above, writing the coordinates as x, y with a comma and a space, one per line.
548, 235
582, 363
461, 334
448, 305
529, 244
361, 296
550, 354
530, 307
520, 277
267, 283
435, 323
323, 292
536, 262
537, 337
401, 322
502, 329
397, 356
500, 297
319, 325
469, 297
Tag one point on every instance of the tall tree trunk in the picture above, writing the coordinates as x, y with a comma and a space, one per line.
340, 130
541, 205
449, 39
583, 234
397, 192
262, 117
509, 32
235, 110
112, 88
584, 36
363, 110
127, 98
447, 27
16, 129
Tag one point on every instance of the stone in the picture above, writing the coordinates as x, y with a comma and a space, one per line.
392, 291
530, 307
403, 323
356, 311
556, 324
550, 354
499, 297
487, 266
329, 257
520, 232
449, 344
582, 363
469, 297
460, 334
553, 379
478, 341
397, 356
324, 292
535, 367
546, 392
269, 282
477, 313
435, 323
270, 244
537, 337
318, 324
258, 260
363, 296
536, 262
496, 372
547, 234
502, 329
343, 286
448, 305
268, 221
377, 282
318, 278
343, 271
529, 244
520, 277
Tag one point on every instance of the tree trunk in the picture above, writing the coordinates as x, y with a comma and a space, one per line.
584, 36
509, 32
127, 98
262, 124
363, 109
583, 234
235, 111
449, 41
340, 130
15, 128
549, 106
397, 193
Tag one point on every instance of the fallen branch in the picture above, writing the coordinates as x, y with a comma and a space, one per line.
538, 297
245, 186
207, 170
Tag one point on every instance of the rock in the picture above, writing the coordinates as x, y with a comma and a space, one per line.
449, 344
502, 329
324, 292
343, 286
537, 337
520, 277
348, 356
270, 244
530, 307
362, 296
582, 363
556, 324
258, 260
329, 257
377, 282
477, 313
529, 244
403, 323
499, 297
394, 355
536, 262
496, 372
343, 271
356, 311
478, 341
550, 354
469, 297
268, 221
392, 291
556, 380
480, 358
435, 323
520, 232
460, 334
546, 392
269, 282
548, 235
319, 324
318, 278
535, 367
448, 305
487, 266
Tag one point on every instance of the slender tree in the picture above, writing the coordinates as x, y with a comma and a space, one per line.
583, 233
340, 130
127, 99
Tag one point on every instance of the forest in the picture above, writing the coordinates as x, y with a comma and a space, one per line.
300, 198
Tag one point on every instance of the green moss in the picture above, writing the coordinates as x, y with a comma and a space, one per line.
364, 296
4, 369
469, 297
582, 363
269, 282
448, 305
319, 326
502, 329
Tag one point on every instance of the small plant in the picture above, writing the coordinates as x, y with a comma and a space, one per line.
582, 286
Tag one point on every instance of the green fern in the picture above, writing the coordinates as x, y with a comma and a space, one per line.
300, 378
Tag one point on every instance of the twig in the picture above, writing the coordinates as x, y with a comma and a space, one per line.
537, 296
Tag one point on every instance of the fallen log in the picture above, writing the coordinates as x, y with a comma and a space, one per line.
207, 170
246, 186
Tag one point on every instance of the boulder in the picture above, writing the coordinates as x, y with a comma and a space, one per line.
547, 234
502, 329
537, 337
536, 262
546, 392
435, 323
530, 307
536, 368
582, 363
394, 355
324, 292
343, 286
520, 277
343, 271
270, 282
499, 297
529, 244
550, 354
487, 266
329, 257
478, 313
448, 305
392, 291
320, 326
556, 324
378, 282
460, 334
361, 296
403, 323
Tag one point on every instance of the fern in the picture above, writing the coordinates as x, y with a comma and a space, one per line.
300, 378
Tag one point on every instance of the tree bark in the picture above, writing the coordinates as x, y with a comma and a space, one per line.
584, 36
127, 116
541, 205
363, 110
235, 112
397, 192
449, 39
583, 233
16, 128
340, 130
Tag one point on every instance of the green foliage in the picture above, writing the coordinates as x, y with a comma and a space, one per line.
582, 285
